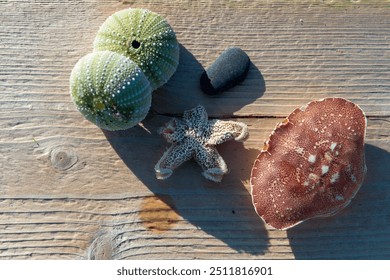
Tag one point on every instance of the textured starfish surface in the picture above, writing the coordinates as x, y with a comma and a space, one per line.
195, 137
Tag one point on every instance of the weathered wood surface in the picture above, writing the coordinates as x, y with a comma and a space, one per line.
71, 191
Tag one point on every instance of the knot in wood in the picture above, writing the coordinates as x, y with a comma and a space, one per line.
101, 247
63, 158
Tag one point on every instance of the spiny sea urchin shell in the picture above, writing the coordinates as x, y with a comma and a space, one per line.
110, 90
146, 38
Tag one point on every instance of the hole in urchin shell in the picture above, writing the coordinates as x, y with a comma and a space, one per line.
135, 44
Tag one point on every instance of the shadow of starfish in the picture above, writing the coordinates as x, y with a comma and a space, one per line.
222, 210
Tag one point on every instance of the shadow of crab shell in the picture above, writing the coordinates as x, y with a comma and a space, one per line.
223, 211
360, 230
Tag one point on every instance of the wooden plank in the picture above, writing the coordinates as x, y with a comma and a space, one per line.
71, 191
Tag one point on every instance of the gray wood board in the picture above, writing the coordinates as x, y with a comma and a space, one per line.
69, 190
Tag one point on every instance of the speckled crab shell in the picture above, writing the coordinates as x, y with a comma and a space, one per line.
146, 38
312, 164
110, 90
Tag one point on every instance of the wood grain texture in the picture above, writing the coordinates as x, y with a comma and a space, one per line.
69, 190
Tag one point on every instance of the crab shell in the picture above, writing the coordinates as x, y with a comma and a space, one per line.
146, 38
312, 165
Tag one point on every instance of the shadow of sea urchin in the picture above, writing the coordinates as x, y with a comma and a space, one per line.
146, 38
110, 90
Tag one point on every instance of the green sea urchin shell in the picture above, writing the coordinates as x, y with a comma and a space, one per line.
110, 90
146, 38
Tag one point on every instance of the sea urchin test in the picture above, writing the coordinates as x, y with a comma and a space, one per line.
312, 165
110, 90
146, 38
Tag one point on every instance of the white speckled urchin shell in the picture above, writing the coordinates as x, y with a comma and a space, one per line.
110, 90
146, 38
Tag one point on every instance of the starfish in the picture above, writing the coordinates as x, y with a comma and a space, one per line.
195, 137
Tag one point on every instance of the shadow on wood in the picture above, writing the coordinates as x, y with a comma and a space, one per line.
223, 210
360, 231
182, 92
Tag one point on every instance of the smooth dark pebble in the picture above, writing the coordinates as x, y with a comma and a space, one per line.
228, 70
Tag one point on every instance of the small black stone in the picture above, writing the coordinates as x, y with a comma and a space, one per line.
228, 70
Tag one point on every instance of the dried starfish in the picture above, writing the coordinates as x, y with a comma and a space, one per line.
194, 136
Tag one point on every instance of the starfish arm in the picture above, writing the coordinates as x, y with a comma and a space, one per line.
222, 131
196, 118
172, 131
171, 159
212, 163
